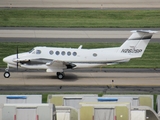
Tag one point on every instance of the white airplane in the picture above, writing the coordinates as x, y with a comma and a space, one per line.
54, 59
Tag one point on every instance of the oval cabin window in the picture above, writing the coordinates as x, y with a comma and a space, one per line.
94, 54
74, 53
51, 52
57, 52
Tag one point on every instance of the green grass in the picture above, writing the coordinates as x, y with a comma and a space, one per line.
150, 59
79, 18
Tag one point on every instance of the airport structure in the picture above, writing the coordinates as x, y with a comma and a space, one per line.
27, 112
115, 111
158, 104
78, 107
143, 113
66, 113
21, 99
68, 99
135, 100
108, 107
74, 100
101, 110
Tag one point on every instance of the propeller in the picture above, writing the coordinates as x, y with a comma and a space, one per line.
17, 58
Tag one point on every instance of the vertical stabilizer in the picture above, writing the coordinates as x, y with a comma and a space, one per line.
136, 43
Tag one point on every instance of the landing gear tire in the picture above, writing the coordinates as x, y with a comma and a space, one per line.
60, 75
6, 74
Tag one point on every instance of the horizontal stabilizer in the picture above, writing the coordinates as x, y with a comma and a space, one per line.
141, 34
144, 31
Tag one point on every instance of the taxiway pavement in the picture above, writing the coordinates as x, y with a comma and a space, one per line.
10, 34
69, 33
82, 79
101, 4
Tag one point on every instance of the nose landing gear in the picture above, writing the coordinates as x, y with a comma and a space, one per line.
6, 73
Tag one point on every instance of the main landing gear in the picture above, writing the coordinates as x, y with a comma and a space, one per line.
60, 75
6, 73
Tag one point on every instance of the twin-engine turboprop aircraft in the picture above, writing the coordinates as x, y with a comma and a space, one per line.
54, 59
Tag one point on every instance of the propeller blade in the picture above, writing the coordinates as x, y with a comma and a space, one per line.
17, 57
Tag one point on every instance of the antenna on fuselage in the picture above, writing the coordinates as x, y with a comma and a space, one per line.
80, 47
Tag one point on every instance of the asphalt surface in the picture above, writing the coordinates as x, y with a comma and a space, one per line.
80, 40
82, 89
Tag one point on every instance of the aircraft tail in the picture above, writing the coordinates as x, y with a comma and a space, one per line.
136, 43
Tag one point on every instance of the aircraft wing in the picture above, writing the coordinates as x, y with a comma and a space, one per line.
55, 63
58, 66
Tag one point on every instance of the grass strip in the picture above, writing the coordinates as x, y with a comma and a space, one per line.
79, 18
150, 58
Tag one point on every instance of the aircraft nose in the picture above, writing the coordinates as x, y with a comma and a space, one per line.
7, 59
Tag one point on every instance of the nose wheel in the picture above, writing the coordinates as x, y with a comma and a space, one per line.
6, 74
60, 75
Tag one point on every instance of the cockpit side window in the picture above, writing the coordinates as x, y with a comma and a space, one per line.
38, 51
31, 51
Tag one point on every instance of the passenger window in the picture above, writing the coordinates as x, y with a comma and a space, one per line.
68, 53
74, 53
38, 52
94, 54
57, 52
63, 53
51, 52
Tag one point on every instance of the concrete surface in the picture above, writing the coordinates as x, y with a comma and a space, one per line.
66, 34
101, 4
82, 78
